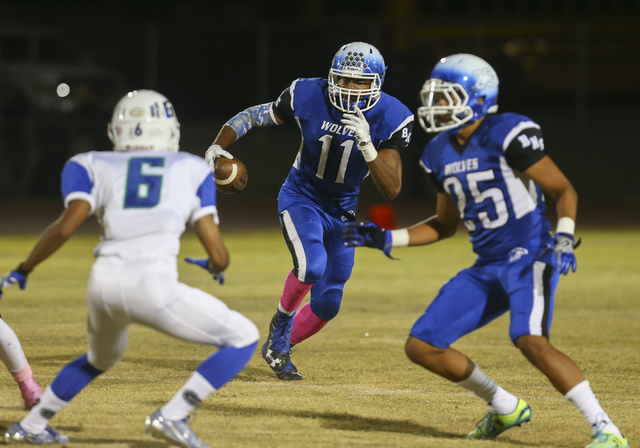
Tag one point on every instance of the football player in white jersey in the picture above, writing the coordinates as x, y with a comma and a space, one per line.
142, 194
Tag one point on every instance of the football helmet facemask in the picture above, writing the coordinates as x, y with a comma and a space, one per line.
360, 61
462, 88
144, 120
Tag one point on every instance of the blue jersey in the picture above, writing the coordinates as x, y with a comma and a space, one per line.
499, 205
329, 168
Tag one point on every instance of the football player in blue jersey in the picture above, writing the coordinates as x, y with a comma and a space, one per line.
350, 129
491, 171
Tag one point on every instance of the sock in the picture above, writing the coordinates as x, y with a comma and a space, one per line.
306, 324
22, 374
188, 398
498, 399
73, 378
212, 374
221, 367
11, 352
38, 418
293, 293
583, 398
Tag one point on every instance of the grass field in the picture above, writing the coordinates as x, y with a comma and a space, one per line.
359, 389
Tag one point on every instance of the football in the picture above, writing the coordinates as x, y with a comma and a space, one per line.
231, 175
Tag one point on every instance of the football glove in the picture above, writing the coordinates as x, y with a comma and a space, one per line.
214, 152
18, 276
204, 264
564, 245
359, 125
369, 234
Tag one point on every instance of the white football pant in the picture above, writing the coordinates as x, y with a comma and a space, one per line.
147, 292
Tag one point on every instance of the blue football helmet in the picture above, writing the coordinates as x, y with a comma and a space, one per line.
360, 61
451, 96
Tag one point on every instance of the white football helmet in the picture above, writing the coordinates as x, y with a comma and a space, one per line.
144, 120
357, 60
451, 96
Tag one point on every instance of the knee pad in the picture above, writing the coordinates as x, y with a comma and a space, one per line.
246, 332
327, 306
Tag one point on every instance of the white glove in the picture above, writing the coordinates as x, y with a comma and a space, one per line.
359, 125
214, 152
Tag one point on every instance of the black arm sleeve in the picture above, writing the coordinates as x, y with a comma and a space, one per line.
397, 141
282, 106
525, 149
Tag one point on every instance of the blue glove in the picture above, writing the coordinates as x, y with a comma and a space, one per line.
12, 278
369, 234
204, 264
564, 245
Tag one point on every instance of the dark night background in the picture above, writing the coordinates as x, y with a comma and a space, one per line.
573, 66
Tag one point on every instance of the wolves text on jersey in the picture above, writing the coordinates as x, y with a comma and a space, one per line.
335, 128
461, 166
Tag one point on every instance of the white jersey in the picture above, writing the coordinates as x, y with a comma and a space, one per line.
142, 200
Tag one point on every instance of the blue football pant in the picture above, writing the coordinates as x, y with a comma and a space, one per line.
485, 291
314, 239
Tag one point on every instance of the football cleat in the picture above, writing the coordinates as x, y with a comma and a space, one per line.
176, 432
493, 424
31, 392
290, 373
15, 434
277, 347
605, 439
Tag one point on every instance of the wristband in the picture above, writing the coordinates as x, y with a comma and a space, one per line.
399, 237
566, 225
368, 151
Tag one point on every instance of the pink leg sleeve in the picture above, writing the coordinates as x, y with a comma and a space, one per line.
306, 324
22, 374
293, 293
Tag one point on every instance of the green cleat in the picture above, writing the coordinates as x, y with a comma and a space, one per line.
494, 424
605, 439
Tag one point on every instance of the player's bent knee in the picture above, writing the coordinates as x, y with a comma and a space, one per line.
419, 351
246, 333
314, 273
533, 346
105, 364
326, 309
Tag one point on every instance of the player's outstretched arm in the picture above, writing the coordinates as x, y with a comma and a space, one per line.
51, 239
57, 233
236, 127
443, 225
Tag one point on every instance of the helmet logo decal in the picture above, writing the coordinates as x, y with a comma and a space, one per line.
485, 78
155, 110
168, 107
137, 112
